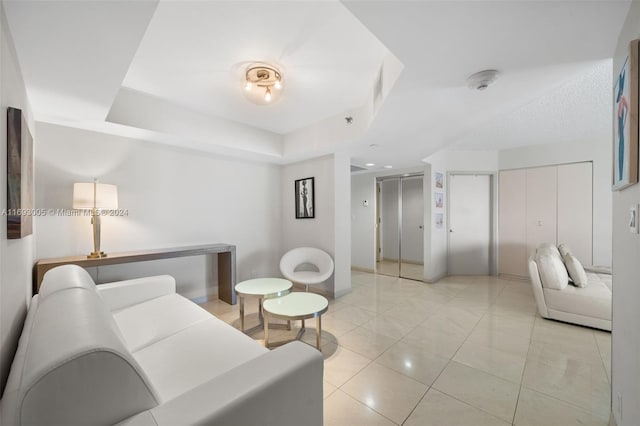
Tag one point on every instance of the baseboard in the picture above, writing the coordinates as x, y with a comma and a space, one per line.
433, 280
358, 268
199, 300
341, 293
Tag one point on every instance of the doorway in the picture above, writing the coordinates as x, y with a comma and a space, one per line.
471, 224
400, 226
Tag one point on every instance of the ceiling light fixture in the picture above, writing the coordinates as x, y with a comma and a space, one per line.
481, 80
388, 167
370, 164
259, 80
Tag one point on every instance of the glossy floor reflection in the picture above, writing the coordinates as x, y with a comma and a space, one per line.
412, 271
465, 351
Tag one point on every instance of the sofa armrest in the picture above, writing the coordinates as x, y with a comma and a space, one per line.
281, 388
536, 286
120, 294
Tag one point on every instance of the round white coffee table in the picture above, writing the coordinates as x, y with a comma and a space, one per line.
262, 288
295, 306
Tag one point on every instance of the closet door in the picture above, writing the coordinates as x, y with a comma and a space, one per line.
575, 209
541, 207
512, 229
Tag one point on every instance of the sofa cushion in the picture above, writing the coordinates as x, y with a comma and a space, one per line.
591, 301
195, 355
148, 322
549, 246
553, 273
575, 270
605, 279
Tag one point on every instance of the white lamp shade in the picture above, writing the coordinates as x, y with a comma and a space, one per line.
106, 196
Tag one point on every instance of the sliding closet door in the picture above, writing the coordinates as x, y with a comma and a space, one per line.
512, 229
575, 215
541, 214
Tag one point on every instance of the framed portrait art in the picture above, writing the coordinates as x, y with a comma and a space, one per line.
305, 198
625, 122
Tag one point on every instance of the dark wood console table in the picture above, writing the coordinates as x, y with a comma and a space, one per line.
226, 264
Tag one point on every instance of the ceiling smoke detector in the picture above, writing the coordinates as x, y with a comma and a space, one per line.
481, 80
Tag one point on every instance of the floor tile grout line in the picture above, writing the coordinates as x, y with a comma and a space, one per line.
524, 369
366, 406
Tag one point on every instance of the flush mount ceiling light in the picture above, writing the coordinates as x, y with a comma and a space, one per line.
262, 83
481, 80
369, 164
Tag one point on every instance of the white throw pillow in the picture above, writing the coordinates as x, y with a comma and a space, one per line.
564, 250
576, 271
549, 246
553, 273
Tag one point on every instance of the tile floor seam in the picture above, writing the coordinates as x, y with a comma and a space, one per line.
604, 365
572, 405
470, 405
524, 368
416, 406
367, 407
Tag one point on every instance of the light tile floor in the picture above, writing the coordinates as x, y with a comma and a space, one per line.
467, 351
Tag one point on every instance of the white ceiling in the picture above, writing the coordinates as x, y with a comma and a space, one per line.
194, 54
84, 61
538, 46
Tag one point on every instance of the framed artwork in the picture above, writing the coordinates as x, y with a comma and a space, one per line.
439, 180
439, 220
439, 199
19, 175
625, 122
305, 198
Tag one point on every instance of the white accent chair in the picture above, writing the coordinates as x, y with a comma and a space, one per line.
293, 261
559, 300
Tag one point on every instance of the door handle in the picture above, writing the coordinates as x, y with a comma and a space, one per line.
450, 230
419, 226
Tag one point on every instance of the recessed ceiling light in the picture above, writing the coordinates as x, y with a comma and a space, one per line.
370, 164
388, 167
406, 174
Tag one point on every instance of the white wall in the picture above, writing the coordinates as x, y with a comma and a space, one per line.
436, 240
598, 151
363, 222
626, 270
173, 196
342, 212
16, 256
320, 231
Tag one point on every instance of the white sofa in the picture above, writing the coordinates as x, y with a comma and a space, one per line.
136, 353
559, 300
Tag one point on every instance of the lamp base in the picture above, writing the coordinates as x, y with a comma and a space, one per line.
96, 255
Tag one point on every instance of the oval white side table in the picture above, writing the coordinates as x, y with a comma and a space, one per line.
262, 288
295, 306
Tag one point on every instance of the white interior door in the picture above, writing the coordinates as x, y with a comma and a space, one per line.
542, 218
469, 224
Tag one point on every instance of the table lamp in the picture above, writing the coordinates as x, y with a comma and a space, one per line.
95, 197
